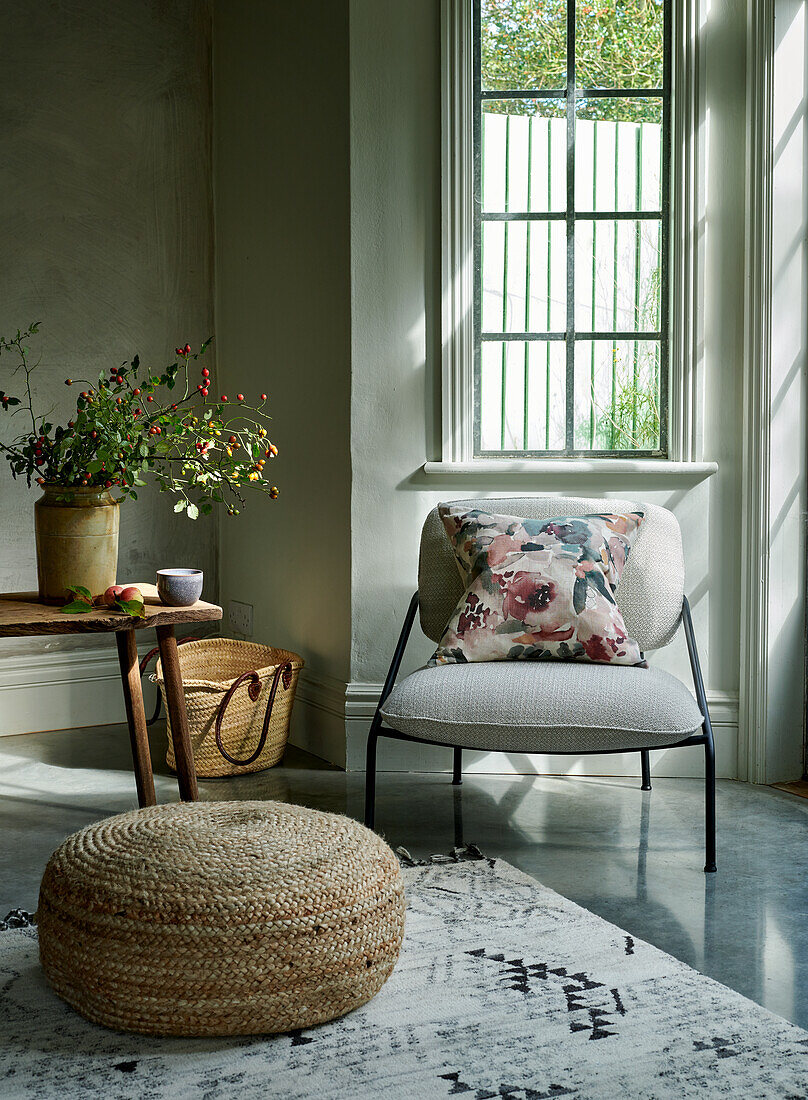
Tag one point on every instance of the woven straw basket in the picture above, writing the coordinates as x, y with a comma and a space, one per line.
238, 696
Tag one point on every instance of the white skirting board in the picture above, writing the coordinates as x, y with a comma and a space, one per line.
63, 688
332, 720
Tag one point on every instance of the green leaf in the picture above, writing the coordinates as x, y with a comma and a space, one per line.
579, 595
76, 607
179, 506
131, 607
192, 511
510, 626
598, 581
80, 590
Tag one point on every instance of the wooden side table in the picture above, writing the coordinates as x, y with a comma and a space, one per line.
22, 615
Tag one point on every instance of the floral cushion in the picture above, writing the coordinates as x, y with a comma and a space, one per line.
538, 588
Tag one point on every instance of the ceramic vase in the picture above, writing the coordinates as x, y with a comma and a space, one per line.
76, 540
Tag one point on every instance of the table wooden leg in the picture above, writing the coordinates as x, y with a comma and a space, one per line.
136, 716
175, 698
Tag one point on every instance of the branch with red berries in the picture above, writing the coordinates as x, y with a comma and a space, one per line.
137, 424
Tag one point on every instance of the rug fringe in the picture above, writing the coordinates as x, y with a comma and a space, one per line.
17, 918
457, 855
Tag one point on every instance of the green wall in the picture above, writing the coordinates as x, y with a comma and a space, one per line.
282, 192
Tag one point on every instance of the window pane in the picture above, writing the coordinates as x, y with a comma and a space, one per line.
619, 44
522, 395
618, 154
524, 280
524, 168
617, 276
529, 278
523, 44
617, 404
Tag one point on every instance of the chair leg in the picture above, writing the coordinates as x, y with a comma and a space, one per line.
646, 769
376, 724
709, 743
370, 776
457, 768
709, 805
457, 797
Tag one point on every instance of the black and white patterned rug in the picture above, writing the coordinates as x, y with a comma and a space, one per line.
504, 989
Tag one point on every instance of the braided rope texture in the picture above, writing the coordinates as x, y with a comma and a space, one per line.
208, 668
220, 918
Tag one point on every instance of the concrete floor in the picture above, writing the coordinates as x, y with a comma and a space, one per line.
636, 859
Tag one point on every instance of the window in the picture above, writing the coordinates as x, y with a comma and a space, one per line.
571, 258
571, 147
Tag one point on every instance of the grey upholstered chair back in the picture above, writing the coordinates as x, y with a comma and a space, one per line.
649, 593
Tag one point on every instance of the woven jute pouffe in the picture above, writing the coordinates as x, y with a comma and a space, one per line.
220, 918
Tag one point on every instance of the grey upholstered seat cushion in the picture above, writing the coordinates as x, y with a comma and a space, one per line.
543, 706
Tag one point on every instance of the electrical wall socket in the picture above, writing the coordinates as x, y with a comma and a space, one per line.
240, 617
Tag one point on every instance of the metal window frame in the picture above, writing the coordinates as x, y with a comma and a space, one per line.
570, 216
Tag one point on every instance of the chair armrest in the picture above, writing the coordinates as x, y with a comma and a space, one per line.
398, 654
695, 665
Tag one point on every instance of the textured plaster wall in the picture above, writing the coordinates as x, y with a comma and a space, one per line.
283, 317
106, 225
395, 303
395, 218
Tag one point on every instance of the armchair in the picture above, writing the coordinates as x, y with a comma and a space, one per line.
557, 707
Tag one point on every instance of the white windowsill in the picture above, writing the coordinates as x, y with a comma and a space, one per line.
547, 473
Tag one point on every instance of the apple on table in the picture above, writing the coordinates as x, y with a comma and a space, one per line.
121, 592
121, 597
118, 597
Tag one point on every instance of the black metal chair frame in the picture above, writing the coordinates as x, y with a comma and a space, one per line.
705, 738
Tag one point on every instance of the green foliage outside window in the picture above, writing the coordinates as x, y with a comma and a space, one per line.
630, 421
619, 44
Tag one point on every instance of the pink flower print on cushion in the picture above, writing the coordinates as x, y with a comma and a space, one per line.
475, 615
539, 588
528, 595
502, 546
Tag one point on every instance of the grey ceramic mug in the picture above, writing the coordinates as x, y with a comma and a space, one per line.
179, 587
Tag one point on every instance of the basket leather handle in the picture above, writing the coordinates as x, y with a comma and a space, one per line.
254, 690
144, 664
